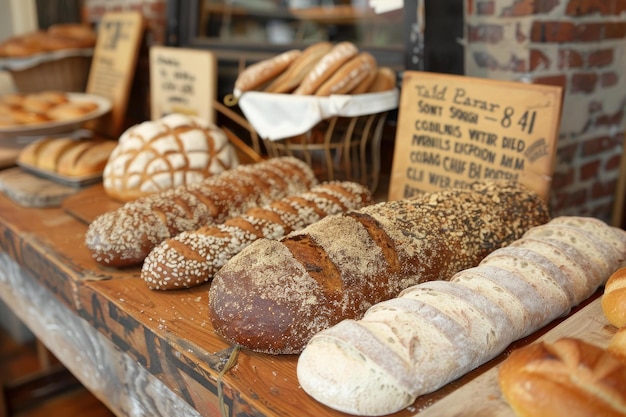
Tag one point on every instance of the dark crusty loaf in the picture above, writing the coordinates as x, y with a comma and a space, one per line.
125, 236
193, 257
274, 295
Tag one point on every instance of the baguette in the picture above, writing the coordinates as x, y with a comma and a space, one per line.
349, 76
338, 267
326, 67
569, 377
193, 257
125, 236
435, 332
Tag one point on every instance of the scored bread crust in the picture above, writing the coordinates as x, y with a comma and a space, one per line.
193, 257
567, 377
125, 236
349, 75
338, 267
259, 73
290, 79
396, 342
326, 66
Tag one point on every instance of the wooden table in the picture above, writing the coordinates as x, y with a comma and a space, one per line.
151, 353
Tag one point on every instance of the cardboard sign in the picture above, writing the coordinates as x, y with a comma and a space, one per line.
182, 81
454, 130
113, 66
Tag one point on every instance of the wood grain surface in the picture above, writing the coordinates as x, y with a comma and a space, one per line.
160, 347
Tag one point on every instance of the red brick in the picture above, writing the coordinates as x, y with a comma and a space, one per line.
583, 82
470, 7
519, 8
567, 153
611, 119
590, 32
558, 80
613, 163
589, 170
599, 145
545, 6
615, 30
563, 179
600, 189
609, 79
552, 31
587, 7
619, 7
602, 212
538, 60
570, 58
486, 33
600, 58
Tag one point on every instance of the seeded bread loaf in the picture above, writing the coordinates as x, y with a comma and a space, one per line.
125, 236
193, 257
274, 295
435, 332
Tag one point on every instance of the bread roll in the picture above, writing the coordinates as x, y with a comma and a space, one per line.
52, 151
326, 67
125, 236
569, 377
193, 257
384, 80
435, 332
614, 298
89, 157
258, 74
158, 155
31, 153
350, 75
338, 267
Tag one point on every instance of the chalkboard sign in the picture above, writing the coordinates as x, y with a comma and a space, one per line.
454, 130
182, 81
113, 66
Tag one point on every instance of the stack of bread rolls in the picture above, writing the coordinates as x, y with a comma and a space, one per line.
339, 266
67, 156
57, 37
161, 154
437, 331
321, 69
23, 109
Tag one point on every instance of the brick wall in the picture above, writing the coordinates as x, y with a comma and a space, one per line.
581, 46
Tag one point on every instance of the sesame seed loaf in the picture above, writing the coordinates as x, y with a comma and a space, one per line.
274, 295
125, 236
193, 257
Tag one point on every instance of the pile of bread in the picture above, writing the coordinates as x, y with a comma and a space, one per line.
321, 69
67, 156
57, 37
27, 109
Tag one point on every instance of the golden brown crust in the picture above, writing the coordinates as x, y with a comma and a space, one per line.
258, 74
567, 378
614, 298
349, 75
326, 66
293, 76
385, 80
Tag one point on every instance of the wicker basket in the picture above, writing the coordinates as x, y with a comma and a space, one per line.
54, 71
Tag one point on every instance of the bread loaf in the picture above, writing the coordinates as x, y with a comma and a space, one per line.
614, 298
435, 332
193, 257
157, 155
67, 156
350, 75
569, 377
125, 236
338, 267
262, 72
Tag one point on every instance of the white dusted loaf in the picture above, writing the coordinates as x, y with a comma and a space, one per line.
158, 155
435, 332
274, 295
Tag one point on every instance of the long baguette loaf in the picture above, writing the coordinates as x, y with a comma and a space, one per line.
193, 257
435, 332
125, 236
274, 295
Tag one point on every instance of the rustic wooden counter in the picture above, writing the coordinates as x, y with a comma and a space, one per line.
149, 353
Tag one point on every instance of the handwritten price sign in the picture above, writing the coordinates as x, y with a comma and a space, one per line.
454, 130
